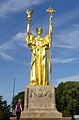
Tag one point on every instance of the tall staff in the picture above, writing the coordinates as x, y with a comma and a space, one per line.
50, 11
13, 94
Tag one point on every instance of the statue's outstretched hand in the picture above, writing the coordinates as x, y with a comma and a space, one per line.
29, 15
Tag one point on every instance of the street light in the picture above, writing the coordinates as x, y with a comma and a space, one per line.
13, 92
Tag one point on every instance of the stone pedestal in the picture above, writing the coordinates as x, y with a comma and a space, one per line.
40, 102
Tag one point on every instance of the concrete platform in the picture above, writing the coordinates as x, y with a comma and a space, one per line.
63, 118
40, 102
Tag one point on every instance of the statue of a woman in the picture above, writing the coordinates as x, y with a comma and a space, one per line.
39, 47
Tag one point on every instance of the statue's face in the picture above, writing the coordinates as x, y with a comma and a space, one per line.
39, 31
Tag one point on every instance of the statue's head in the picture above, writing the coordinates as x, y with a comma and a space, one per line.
39, 31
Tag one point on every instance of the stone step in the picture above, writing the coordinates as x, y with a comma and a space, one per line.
63, 118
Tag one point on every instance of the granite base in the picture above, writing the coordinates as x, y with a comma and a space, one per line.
40, 102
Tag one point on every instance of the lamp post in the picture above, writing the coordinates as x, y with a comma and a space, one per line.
13, 92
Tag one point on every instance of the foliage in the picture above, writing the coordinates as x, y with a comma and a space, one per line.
4, 109
67, 98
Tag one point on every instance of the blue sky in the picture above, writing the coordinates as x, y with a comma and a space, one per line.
15, 56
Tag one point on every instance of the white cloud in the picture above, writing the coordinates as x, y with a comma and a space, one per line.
76, 25
16, 5
5, 49
27, 64
20, 36
10, 45
67, 39
6, 57
70, 78
65, 60
0, 72
68, 16
7, 45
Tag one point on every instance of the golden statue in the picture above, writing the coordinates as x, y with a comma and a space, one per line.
40, 49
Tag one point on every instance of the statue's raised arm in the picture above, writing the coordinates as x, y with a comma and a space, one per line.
29, 17
50, 11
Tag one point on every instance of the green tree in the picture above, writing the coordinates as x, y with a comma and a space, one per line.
67, 98
4, 109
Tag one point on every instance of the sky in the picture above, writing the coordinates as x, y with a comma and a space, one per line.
15, 56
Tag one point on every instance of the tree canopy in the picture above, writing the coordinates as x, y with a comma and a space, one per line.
67, 98
4, 109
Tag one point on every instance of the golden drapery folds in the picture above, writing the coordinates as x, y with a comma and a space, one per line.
39, 64
40, 47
